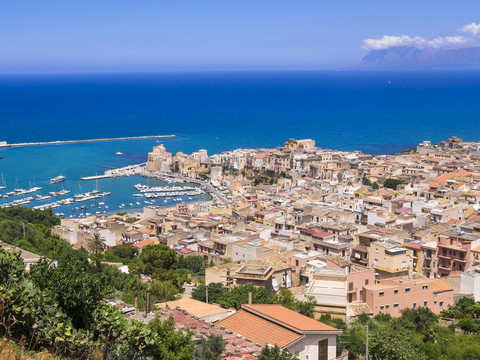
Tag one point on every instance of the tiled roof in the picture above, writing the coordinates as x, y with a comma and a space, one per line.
258, 329
289, 317
440, 286
194, 307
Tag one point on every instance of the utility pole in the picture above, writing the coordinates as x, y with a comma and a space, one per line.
366, 346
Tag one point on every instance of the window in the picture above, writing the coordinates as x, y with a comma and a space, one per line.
404, 264
366, 282
425, 287
375, 262
414, 305
381, 293
395, 305
387, 306
407, 290
382, 307
296, 262
435, 294
425, 303
395, 292
435, 302
440, 304
376, 250
350, 286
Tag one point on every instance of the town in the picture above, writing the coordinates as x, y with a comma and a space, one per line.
351, 234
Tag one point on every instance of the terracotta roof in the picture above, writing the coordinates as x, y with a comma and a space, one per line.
440, 286
194, 307
143, 243
289, 317
258, 329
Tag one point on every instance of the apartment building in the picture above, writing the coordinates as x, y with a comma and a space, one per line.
455, 252
392, 295
390, 259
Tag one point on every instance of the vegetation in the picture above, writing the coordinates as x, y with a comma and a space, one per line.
392, 183
235, 297
96, 243
274, 353
416, 334
210, 349
366, 181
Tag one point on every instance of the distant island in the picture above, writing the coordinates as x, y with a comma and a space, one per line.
411, 57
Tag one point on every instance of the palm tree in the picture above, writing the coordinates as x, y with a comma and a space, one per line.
96, 243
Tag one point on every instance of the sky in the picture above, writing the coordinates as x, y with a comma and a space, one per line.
51, 36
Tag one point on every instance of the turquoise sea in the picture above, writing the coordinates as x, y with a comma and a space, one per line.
376, 112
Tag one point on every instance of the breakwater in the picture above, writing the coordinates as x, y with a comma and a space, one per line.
61, 142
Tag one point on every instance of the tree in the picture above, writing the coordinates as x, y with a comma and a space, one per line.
375, 186
76, 288
194, 263
285, 298
164, 290
274, 353
215, 292
123, 251
210, 349
157, 261
234, 298
366, 181
395, 344
392, 183
96, 243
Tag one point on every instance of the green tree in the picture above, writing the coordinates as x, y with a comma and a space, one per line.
164, 290
77, 288
274, 353
237, 296
210, 349
366, 181
388, 343
157, 261
215, 292
286, 298
375, 186
96, 243
392, 183
126, 252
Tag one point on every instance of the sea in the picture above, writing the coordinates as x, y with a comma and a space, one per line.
374, 112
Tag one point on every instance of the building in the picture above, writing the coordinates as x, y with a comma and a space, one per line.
455, 252
306, 338
470, 282
392, 295
157, 157
203, 311
389, 259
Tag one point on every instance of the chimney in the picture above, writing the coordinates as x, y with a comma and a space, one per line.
249, 298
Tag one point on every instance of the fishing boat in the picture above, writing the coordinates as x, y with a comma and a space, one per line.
57, 179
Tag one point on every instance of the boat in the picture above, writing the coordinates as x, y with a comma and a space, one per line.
57, 179
2, 184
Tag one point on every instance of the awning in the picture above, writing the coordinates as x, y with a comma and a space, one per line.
288, 282
275, 285
357, 256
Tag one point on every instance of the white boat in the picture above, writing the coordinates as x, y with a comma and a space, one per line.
57, 179
2, 184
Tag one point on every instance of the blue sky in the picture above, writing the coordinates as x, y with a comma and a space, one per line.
178, 35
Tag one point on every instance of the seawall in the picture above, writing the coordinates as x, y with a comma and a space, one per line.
61, 142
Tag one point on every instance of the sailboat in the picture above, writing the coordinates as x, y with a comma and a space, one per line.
2, 184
